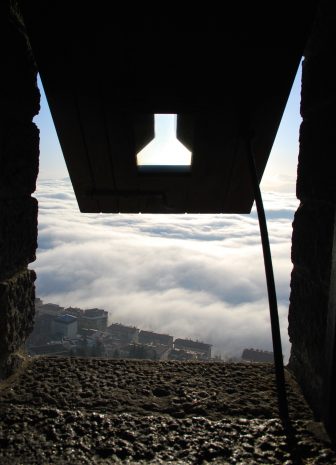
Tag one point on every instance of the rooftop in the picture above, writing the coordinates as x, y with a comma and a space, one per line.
121, 327
66, 319
191, 343
153, 333
94, 313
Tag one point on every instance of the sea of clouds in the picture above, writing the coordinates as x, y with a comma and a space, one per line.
196, 276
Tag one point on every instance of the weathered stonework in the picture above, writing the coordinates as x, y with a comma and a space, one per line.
19, 154
316, 169
19, 163
312, 245
17, 308
18, 234
307, 332
313, 227
20, 96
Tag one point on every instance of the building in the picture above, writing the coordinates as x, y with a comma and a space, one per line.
181, 355
75, 311
149, 337
65, 326
255, 355
48, 309
162, 352
122, 333
43, 329
93, 318
201, 348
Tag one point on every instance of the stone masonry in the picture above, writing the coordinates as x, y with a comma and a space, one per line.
73, 411
313, 226
19, 152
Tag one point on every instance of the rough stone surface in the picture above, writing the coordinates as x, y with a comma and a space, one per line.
18, 234
19, 159
316, 165
313, 227
314, 252
311, 347
78, 411
20, 96
17, 309
19, 154
318, 72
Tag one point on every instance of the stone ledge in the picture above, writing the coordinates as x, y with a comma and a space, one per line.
76, 411
179, 389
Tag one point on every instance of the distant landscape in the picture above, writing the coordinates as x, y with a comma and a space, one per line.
192, 276
73, 331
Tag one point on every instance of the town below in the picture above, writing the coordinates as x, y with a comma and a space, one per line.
73, 331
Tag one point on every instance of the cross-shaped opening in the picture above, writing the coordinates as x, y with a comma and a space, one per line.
165, 152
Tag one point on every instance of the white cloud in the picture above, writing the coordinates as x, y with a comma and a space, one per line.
193, 276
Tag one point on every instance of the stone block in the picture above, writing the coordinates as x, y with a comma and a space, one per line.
319, 85
20, 97
18, 234
312, 238
322, 37
17, 308
19, 161
308, 313
307, 328
311, 383
13, 363
317, 163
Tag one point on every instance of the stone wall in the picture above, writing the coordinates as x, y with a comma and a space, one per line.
313, 226
19, 153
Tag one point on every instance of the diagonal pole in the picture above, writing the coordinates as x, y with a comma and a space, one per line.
272, 299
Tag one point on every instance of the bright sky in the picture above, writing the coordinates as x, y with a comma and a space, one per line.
282, 162
165, 149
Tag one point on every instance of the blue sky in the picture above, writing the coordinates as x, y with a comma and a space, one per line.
197, 276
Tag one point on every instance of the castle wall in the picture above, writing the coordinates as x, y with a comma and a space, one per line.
313, 227
19, 152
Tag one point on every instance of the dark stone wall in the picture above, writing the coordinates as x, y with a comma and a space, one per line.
19, 154
313, 226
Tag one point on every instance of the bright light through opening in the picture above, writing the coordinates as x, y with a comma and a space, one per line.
165, 149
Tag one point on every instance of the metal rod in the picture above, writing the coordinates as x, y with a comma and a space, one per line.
272, 299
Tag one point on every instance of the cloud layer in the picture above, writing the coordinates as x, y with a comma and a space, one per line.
197, 276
